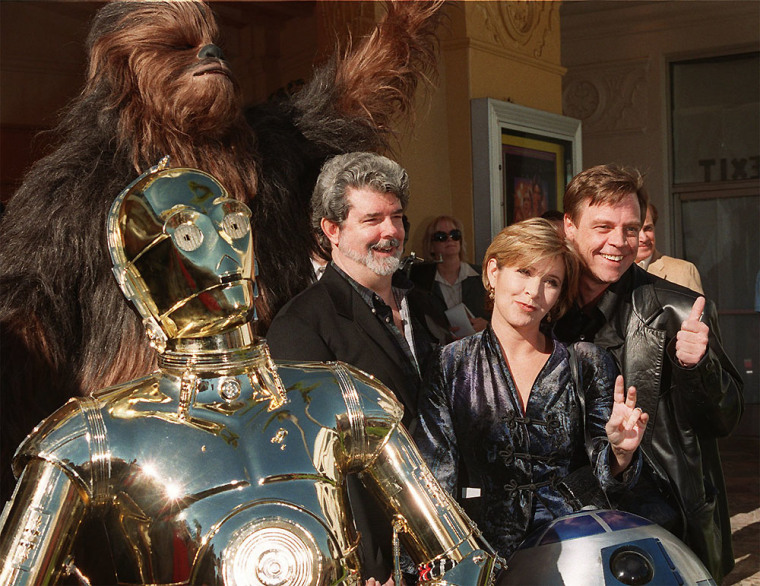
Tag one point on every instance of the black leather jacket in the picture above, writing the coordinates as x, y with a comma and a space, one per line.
637, 320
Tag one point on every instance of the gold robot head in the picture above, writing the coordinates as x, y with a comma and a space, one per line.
182, 251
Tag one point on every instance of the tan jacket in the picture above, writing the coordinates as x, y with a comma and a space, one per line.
675, 270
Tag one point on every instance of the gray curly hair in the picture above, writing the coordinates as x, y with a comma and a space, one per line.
357, 170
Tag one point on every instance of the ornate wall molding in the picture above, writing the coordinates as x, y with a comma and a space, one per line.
485, 47
608, 98
520, 26
582, 21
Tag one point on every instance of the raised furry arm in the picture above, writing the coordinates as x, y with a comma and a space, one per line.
378, 79
350, 102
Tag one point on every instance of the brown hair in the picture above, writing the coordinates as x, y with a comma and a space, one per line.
655, 215
530, 242
604, 184
427, 239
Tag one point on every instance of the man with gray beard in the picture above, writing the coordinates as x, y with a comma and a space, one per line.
362, 311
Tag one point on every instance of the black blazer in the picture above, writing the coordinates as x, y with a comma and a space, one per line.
330, 321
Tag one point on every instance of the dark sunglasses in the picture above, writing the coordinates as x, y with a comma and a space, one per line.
440, 236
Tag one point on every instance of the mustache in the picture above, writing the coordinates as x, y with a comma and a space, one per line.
386, 243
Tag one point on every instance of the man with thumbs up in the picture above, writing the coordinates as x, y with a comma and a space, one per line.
666, 342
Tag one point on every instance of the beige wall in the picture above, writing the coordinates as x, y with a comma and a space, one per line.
617, 56
505, 50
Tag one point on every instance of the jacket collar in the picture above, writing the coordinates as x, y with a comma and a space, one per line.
350, 305
641, 292
339, 290
634, 291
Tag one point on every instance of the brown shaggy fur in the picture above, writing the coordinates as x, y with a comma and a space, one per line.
66, 328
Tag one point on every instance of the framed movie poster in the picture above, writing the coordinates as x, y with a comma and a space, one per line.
535, 174
522, 160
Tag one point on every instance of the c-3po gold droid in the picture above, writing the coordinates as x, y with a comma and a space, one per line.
221, 467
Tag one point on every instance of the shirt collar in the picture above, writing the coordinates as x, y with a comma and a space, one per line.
604, 322
400, 286
611, 334
465, 271
319, 268
644, 264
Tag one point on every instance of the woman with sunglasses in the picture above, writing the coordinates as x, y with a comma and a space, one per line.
448, 278
539, 430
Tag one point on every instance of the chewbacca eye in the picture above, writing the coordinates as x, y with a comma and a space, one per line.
236, 224
187, 237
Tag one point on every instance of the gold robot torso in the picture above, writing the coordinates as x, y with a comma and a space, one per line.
222, 468
204, 478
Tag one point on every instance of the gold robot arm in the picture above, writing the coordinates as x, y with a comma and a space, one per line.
39, 524
435, 531
63, 467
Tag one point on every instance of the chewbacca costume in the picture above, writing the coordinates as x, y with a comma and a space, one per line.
158, 85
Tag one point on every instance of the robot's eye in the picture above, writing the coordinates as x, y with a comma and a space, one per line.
187, 237
236, 225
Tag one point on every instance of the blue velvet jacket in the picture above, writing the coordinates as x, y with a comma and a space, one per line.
470, 415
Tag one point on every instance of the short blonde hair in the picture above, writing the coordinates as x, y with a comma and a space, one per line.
530, 242
427, 239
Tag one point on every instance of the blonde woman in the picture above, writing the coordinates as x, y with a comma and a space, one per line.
448, 278
503, 409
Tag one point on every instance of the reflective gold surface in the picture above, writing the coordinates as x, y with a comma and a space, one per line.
183, 253
222, 468
43, 529
191, 499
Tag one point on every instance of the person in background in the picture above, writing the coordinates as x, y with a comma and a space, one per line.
675, 270
449, 278
319, 261
666, 342
557, 218
503, 409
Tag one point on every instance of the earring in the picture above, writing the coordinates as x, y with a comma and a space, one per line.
491, 293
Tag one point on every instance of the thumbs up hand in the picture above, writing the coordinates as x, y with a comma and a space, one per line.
691, 340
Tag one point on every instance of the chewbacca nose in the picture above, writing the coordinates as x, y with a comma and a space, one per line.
210, 51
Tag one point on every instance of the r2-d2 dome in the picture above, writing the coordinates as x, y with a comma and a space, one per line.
604, 547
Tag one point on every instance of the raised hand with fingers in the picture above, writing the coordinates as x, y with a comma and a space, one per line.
692, 339
625, 427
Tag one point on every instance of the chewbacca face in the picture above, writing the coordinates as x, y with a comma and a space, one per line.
162, 67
